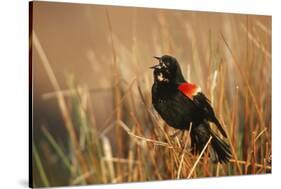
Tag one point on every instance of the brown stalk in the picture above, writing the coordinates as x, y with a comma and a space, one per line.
117, 93
199, 157
155, 142
233, 152
61, 102
183, 152
246, 81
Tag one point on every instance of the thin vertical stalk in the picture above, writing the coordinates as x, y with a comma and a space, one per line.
117, 94
39, 165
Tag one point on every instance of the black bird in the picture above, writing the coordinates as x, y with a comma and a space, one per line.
181, 104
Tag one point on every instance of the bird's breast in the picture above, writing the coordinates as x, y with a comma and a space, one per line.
172, 106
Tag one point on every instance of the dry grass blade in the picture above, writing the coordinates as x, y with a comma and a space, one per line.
183, 152
39, 165
108, 155
58, 149
245, 163
234, 153
181, 161
61, 102
245, 79
55, 83
263, 27
110, 117
260, 134
199, 157
69, 92
124, 126
121, 160
82, 178
256, 42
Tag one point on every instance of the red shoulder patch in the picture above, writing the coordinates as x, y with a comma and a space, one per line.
189, 89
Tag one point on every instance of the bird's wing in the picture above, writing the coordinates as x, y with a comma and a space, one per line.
189, 89
194, 93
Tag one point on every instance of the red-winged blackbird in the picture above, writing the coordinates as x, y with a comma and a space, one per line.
182, 104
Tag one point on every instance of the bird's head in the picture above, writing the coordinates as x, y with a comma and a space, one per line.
167, 70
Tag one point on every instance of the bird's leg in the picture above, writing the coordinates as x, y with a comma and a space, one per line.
184, 144
175, 134
182, 135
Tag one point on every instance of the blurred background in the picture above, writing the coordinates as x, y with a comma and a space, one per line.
92, 116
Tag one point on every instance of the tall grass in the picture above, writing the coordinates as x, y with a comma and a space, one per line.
134, 143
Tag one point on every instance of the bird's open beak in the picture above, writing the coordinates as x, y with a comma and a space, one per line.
158, 58
156, 66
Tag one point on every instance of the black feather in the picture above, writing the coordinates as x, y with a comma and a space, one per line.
203, 103
200, 135
179, 110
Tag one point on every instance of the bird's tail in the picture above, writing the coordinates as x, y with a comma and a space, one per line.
200, 135
221, 148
